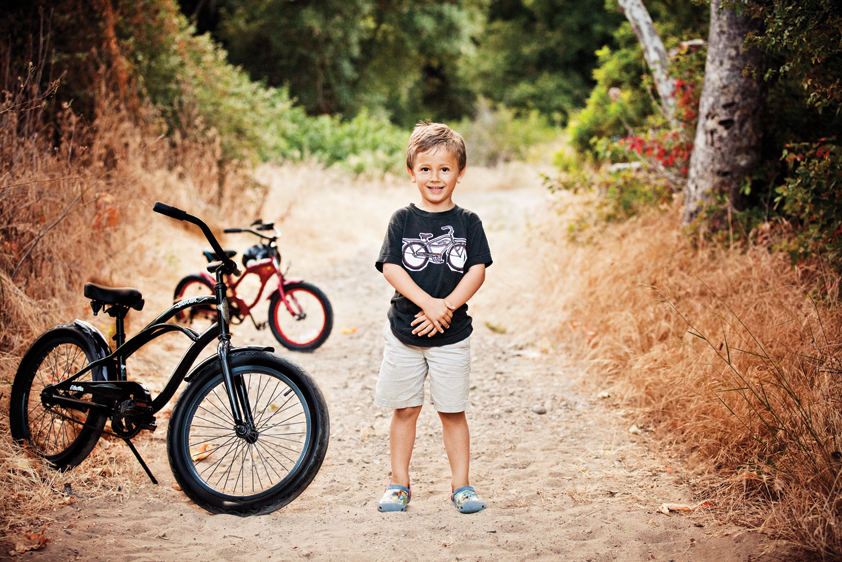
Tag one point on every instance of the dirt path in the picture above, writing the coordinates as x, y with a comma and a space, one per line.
562, 476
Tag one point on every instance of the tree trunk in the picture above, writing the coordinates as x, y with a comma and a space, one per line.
728, 136
653, 52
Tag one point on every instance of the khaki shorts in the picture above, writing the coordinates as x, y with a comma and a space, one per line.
404, 368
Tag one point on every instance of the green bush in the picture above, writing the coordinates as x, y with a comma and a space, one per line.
364, 144
812, 196
603, 117
621, 194
498, 135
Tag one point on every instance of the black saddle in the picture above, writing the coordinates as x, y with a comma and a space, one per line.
123, 296
212, 256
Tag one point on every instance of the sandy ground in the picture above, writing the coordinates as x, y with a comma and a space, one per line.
568, 484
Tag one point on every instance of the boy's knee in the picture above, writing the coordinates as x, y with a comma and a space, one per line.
407, 414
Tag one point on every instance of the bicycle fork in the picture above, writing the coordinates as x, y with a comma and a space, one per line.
237, 396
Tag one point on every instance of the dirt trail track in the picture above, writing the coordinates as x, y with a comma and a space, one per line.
569, 484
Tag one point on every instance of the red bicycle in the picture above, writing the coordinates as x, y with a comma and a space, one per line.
300, 315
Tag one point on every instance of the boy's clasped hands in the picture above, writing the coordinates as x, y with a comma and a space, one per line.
433, 317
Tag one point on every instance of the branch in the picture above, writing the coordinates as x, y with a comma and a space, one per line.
42, 234
653, 52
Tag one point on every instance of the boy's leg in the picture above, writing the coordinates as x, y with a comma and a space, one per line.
457, 443
401, 442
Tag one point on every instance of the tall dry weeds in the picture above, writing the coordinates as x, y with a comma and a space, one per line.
75, 201
723, 354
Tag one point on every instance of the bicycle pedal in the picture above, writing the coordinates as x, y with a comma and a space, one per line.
150, 425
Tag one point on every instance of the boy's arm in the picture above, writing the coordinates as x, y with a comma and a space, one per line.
437, 311
467, 288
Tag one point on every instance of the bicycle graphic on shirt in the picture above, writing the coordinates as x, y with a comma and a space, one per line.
418, 252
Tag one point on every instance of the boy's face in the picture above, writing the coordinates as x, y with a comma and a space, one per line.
436, 173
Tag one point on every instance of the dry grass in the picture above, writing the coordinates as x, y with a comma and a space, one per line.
723, 354
75, 203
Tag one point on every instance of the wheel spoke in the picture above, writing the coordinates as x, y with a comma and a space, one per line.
270, 449
240, 467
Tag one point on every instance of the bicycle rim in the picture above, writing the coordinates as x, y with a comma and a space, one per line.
64, 437
230, 466
304, 321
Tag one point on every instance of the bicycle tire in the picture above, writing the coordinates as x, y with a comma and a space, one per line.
301, 334
262, 482
56, 355
191, 286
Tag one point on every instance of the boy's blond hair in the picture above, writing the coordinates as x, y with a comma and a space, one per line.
427, 137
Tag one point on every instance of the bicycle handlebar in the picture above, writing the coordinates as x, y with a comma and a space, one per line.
254, 230
169, 211
177, 214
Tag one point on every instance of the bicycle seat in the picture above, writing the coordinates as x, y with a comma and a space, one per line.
124, 296
210, 255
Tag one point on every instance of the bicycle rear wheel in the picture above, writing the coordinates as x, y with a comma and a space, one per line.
62, 436
194, 286
303, 319
226, 472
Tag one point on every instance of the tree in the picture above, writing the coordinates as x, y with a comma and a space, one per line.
728, 137
339, 56
653, 52
540, 54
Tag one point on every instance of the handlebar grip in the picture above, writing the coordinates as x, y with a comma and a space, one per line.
232, 230
269, 226
169, 211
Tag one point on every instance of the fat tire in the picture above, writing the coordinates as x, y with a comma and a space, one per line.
182, 316
275, 303
192, 399
27, 375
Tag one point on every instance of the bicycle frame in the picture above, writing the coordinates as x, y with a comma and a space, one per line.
153, 330
265, 269
114, 363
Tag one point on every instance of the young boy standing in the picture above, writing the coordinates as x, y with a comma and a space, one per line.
434, 255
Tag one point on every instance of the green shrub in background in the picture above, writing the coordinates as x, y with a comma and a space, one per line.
496, 135
189, 80
607, 118
812, 197
196, 90
622, 192
364, 144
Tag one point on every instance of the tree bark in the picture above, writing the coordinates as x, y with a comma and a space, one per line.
728, 136
653, 52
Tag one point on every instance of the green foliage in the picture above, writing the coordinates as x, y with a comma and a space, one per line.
196, 89
497, 134
621, 192
803, 36
619, 73
624, 97
538, 54
812, 196
337, 57
364, 144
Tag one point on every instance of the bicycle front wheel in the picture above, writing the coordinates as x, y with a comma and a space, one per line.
62, 436
253, 473
303, 319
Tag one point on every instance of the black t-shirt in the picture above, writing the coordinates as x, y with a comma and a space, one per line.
436, 249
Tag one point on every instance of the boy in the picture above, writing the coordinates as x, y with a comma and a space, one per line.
434, 255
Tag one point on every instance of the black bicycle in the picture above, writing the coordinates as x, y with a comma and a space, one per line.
247, 435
